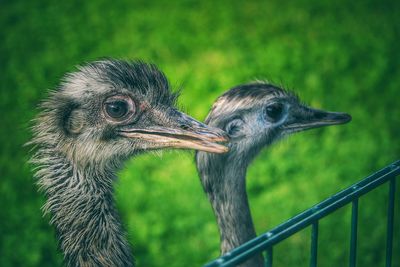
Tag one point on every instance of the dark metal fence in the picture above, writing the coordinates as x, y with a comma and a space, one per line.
311, 216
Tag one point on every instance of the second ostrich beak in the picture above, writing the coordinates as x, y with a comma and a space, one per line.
303, 118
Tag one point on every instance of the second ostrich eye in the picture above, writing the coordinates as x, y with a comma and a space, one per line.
274, 112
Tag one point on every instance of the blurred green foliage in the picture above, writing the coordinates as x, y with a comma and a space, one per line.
339, 55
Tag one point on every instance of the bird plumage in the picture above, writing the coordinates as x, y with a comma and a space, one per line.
254, 116
100, 115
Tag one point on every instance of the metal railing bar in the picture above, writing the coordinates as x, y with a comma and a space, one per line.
305, 218
388, 169
358, 191
390, 220
270, 258
314, 244
353, 237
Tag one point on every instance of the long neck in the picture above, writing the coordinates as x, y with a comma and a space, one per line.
224, 180
81, 205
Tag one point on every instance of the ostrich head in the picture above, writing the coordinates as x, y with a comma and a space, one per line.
257, 114
110, 110
254, 116
99, 116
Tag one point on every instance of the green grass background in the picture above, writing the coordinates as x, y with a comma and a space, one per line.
338, 55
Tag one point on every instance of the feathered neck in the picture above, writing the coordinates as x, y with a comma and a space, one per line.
81, 205
224, 181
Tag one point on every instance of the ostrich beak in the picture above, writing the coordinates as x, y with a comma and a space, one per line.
304, 118
181, 131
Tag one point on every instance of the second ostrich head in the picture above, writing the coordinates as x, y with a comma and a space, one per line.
257, 114
254, 116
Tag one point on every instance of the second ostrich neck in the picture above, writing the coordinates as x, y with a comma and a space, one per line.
80, 202
232, 209
227, 193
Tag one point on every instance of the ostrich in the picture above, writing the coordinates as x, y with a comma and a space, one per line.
254, 116
100, 115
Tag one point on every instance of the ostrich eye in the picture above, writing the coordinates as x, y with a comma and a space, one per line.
274, 112
119, 108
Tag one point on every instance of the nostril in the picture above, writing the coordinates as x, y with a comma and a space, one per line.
319, 115
184, 127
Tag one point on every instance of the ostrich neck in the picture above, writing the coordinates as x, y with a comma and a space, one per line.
225, 185
81, 205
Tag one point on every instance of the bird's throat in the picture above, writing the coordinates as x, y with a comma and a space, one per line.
225, 185
80, 203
